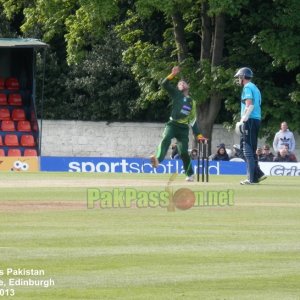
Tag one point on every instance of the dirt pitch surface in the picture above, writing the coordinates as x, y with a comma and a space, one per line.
30, 206
122, 182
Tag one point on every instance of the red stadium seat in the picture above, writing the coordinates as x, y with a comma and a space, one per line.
14, 152
23, 126
27, 140
30, 152
11, 140
1, 140
4, 114
3, 99
8, 125
2, 152
12, 83
18, 114
15, 99
2, 83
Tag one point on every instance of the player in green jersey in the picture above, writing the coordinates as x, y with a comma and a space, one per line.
183, 114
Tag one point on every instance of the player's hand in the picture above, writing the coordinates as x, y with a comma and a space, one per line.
175, 70
244, 119
201, 138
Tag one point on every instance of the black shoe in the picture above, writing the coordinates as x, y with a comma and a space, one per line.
263, 177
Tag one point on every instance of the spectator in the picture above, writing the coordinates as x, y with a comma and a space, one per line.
292, 156
267, 155
259, 153
194, 154
175, 153
221, 154
282, 156
284, 136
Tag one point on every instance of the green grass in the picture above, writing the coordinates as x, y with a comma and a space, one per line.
247, 251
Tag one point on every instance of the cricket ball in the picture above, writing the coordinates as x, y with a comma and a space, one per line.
184, 199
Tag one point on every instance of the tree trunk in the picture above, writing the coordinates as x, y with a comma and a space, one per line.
208, 111
212, 44
180, 41
206, 32
218, 45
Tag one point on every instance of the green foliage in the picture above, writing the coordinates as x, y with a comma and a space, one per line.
49, 15
278, 86
283, 43
230, 7
151, 57
5, 30
100, 88
263, 35
147, 60
295, 95
146, 8
79, 21
88, 24
55, 104
13, 7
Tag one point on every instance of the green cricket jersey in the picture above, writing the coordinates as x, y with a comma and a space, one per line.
183, 108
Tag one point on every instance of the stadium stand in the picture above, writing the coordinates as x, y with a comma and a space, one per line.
12, 83
3, 99
14, 152
8, 125
30, 152
24, 126
17, 91
4, 114
15, 99
11, 140
27, 140
18, 126
18, 114
2, 83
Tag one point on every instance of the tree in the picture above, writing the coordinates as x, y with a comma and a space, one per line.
283, 45
231, 35
80, 22
198, 43
270, 45
210, 39
101, 87
10, 18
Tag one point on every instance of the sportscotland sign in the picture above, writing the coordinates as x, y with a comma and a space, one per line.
168, 166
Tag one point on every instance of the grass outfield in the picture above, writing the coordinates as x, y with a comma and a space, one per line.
249, 250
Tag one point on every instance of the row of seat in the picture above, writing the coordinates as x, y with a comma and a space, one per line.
17, 114
12, 140
16, 121
9, 125
10, 83
18, 152
11, 99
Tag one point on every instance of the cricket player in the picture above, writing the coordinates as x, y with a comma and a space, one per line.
251, 119
183, 114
